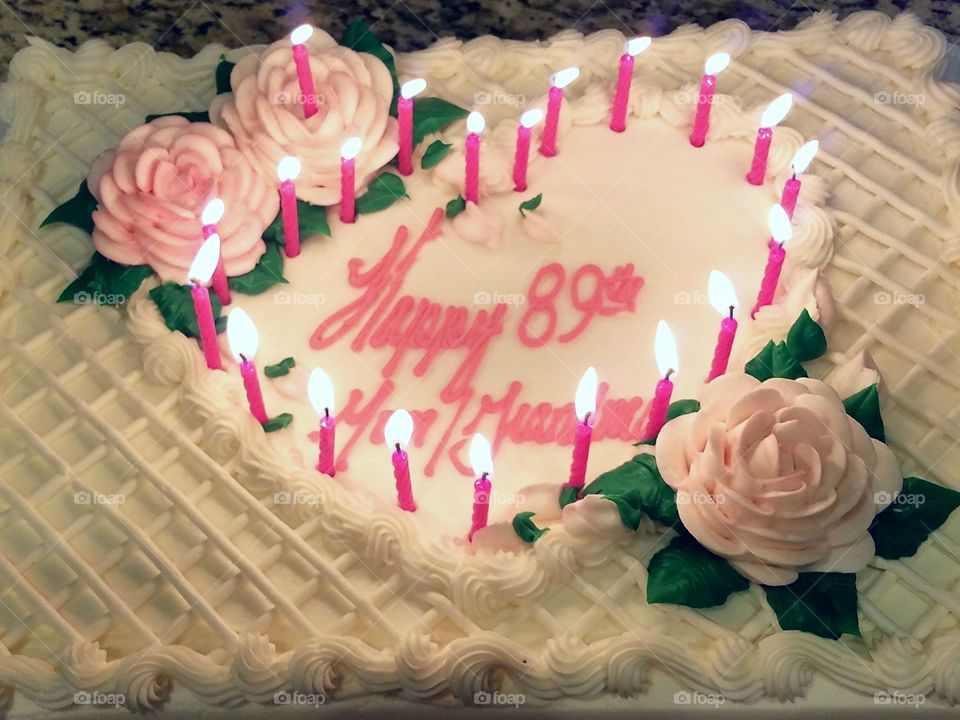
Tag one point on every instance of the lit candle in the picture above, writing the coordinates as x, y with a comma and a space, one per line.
724, 299
585, 406
558, 81
775, 112
780, 232
211, 215
481, 458
320, 392
348, 169
288, 170
244, 342
397, 432
408, 91
715, 64
198, 276
301, 58
665, 349
791, 189
475, 125
521, 157
631, 48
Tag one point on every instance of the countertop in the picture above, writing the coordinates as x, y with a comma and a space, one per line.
186, 26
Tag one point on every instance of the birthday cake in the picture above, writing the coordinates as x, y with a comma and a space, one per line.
496, 373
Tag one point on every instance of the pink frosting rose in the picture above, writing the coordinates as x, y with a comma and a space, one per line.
152, 189
777, 478
265, 113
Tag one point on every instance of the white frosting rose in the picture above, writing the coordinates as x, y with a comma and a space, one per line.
152, 189
777, 478
265, 113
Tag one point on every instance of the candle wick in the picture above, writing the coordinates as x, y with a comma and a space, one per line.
326, 412
731, 312
196, 283
483, 476
398, 447
243, 358
669, 373
586, 417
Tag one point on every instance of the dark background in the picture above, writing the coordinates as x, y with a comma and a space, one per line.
184, 26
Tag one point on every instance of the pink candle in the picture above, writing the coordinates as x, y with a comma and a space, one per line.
708, 86
408, 90
548, 143
791, 189
198, 276
301, 58
397, 432
780, 232
618, 119
288, 170
724, 300
348, 181
585, 405
482, 461
475, 125
328, 433
775, 112
521, 157
665, 349
320, 393
244, 342
251, 384
210, 216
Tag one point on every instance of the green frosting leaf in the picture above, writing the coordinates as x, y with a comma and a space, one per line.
383, 192
824, 604
267, 273
637, 489
77, 211
360, 37
526, 529
279, 369
864, 407
431, 114
104, 282
436, 152
674, 410
312, 220
569, 494
919, 509
278, 423
456, 206
224, 68
200, 116
175, 304
686, 573
805, 339
775, 360
531, 204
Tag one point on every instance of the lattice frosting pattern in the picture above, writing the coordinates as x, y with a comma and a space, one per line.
196, 580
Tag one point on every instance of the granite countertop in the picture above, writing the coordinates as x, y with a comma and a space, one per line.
185, 26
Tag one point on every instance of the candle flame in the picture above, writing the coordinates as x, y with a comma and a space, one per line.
716, 63
301, 34
562, 78
212, 212
665, 349
205, 263
586, 398
804, 156
776, 111
399, 429
481, 457
351, 148
780, 229
475, 122
242, 335
721, 293
412, 88
636, 45
320, 392
288, 168
531, 117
